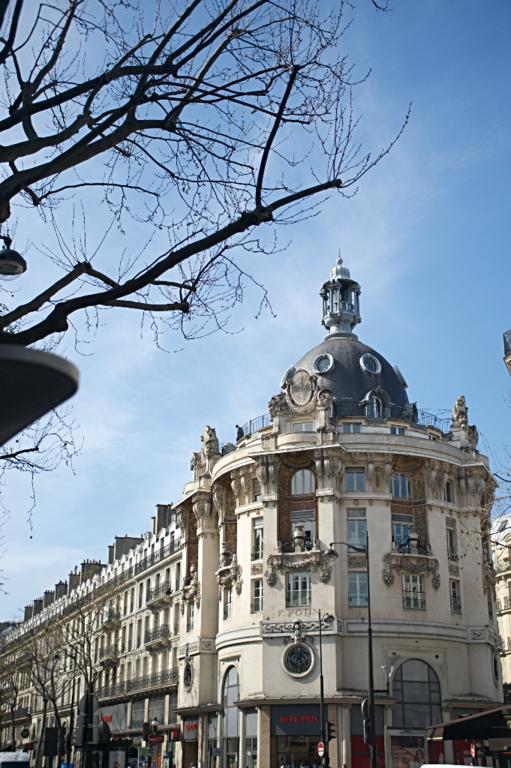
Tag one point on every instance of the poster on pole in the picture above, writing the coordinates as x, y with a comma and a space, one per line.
405, 748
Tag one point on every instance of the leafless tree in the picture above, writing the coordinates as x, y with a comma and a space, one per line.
192, 124
9, 691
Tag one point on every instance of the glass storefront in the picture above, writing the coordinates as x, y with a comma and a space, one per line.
250, 738
294, 736
231, 742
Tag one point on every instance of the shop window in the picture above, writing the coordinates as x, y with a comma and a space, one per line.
355, 480
401, 524
298, 589
416, 689
257, 538
400, 486
414, 596
257, 595
172, 710
455, 594
137, 713
227, 602
357, 590
351, 428
452, 538
307, 519
449, 492
356, 528
303, 483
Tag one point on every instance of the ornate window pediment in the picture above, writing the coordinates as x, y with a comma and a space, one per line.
395, 562
281, 563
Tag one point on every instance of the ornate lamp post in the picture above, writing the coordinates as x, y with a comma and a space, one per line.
368, 708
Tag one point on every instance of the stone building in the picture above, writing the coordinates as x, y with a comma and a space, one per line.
210, 625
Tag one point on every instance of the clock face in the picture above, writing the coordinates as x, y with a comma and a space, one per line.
298, 659
187, 676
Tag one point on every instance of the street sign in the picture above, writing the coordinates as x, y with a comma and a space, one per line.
320, 749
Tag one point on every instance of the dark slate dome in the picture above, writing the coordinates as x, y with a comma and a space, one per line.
362, 381
353, 375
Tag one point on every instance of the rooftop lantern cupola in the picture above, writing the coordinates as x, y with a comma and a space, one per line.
340, 294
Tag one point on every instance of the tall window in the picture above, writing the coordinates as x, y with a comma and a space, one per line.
355, 480
303, 426
307, 519
449, 492
414, 596
416, 689
303, 483
401, 524
397, 431
298, 589
231, 694
256, 490
227, 602
374, 408
400, 486
257, 595
257, 538
190, 615
452, 538
455, 593
356, 527
357, 589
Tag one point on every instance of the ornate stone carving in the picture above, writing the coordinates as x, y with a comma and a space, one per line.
357, 561
454, 570
420, 565
204, 460
280, 562
278, 405
219, 499
191, 589
329, 470
460, 413
229, 575
266, 472
298, 629
256, 569
202, 509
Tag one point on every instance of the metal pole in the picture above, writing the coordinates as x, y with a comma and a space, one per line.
372, 712
324, 759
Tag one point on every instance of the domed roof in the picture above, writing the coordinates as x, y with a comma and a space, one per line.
352, 371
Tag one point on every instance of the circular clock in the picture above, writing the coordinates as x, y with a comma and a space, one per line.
298, 659
187, 676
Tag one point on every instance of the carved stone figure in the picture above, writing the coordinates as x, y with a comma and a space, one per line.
460, 413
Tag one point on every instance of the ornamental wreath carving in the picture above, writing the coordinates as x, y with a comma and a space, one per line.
280, 562
420, 565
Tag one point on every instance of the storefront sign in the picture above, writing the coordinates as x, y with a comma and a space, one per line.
295, 720
191, 729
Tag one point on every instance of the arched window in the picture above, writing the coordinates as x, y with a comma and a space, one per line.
231, 694
303, 482
374, 408
400, 486
416, 689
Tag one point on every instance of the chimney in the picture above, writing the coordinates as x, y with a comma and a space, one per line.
162, 517
60, 589
28, 613
38, 606
49, 597
74, 579
89, 569
123, 544
110, 554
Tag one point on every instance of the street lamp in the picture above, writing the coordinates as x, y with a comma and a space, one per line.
368, 708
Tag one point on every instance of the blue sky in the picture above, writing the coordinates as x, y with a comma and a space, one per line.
428, 239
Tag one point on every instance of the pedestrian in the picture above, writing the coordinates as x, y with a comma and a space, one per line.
239, 432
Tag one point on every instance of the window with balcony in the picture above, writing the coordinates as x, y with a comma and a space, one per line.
452, 538
400, 486
355, 480
298, 589
357, 590
455, 594
257, 595
356, 528
401, 524
227, 603
414, 596
303, 483
257, 538
351, 427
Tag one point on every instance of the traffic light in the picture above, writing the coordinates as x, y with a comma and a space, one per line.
146, 730
330, 731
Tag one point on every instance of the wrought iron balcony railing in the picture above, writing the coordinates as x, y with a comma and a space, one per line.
165, 679
158, 636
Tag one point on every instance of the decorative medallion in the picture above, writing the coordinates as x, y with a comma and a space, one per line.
298, 659
300, 388
188, 676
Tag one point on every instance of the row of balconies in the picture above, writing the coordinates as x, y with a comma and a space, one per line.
165, 679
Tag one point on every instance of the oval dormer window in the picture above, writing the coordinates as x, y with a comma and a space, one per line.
323, 364
370, 363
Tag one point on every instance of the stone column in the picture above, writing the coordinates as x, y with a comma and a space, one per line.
263, 738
